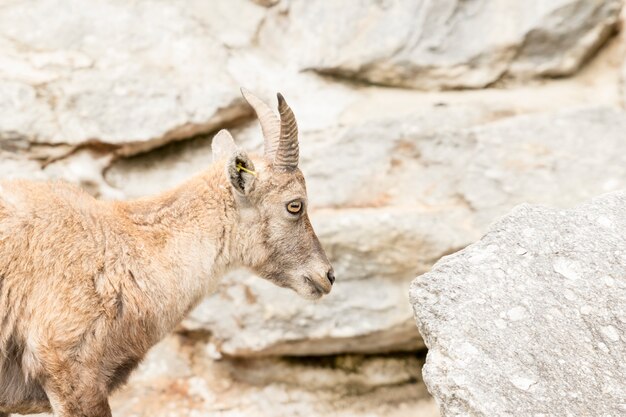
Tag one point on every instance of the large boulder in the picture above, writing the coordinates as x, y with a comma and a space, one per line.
531, 320
442, 44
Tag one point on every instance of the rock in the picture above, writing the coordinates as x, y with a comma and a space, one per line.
113, 81
233, 22
531, 319
266, 3
14, 165
344, 386
552, 158
447, 44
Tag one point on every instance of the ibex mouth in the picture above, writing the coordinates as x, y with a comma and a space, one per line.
318, 287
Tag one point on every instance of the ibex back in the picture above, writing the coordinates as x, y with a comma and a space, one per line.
88, 286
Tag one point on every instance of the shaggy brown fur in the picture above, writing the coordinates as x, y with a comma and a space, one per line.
88, 286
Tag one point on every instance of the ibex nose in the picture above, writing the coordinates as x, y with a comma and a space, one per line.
331, 276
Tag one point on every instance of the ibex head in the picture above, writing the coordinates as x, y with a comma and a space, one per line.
278, 240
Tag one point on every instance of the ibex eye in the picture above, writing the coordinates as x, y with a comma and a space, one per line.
294, 207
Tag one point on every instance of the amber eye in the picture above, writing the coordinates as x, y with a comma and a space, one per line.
294, 207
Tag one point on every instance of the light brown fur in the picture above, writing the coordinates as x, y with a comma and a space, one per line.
88, 286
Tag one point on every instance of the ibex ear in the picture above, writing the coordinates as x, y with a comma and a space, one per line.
223, 145
240, 172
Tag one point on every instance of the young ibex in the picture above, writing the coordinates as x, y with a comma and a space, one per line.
88, 286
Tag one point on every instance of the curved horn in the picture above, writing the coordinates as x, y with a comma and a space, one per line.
270, 124
288, 152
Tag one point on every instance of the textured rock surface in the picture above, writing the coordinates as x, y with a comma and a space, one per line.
139, 74
531, 320
445, 43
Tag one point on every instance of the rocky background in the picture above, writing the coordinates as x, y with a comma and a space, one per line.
422, 121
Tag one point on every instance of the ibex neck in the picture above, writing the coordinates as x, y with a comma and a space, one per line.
185, 234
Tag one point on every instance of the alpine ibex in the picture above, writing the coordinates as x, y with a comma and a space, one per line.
88, 286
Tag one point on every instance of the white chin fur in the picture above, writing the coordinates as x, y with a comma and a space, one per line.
309, 292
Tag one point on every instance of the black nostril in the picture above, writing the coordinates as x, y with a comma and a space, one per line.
331, 277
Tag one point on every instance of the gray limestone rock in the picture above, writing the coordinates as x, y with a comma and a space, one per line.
132, 75
531, 319
444, 44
